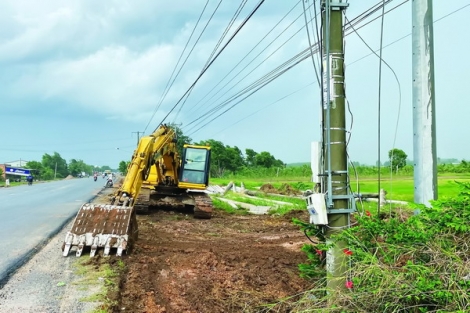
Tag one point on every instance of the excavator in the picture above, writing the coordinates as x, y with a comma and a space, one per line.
157, 176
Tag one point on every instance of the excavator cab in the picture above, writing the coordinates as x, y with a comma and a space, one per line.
194, 171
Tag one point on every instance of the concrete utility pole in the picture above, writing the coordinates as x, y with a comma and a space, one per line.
338, 199
424, 109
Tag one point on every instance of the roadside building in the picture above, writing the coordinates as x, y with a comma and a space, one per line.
15, 170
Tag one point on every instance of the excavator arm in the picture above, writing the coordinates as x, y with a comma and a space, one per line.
142, 160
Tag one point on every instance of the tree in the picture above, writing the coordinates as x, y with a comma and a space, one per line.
397, 158
77, 167
37, 168
181, 139
123, 167
223, 158
267, 160
56, 164
250, 158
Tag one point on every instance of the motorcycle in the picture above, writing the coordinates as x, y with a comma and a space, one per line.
95, 178
109, 183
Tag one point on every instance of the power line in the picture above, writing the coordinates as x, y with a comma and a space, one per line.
168, 85
403, 37
266, 106
310, 45
266, 79
246, 55
215, 58
230, 24
272, 75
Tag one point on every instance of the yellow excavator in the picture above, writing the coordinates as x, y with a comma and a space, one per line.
156, 177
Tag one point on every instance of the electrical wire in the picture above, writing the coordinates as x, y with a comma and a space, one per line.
379, 102
215, 58
168, 85
272, 103
266, 79
316, 29
253, 85
399, 88
246, 55
310, 44
185, 96
403, 37
230, 24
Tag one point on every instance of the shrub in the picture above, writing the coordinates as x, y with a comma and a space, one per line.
419, 263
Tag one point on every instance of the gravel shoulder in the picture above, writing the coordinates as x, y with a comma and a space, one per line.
49, 282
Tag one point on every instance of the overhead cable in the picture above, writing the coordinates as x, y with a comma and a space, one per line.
168, 84
215, 58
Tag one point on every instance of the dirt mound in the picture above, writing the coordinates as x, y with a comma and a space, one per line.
285, 189
268, 188
227, 264
69, 177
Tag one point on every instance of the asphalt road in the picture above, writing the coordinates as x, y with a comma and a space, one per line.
30, 215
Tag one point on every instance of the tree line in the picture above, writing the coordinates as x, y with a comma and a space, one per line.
54, 166
225, 160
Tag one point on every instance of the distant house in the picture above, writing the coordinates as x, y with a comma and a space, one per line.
17, 163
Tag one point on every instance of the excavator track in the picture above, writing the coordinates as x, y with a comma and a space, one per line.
203, 205
102, 226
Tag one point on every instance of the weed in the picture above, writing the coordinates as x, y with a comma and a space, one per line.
417, 263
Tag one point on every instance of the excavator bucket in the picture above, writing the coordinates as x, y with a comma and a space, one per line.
102, 226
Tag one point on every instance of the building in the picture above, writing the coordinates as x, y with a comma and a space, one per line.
17, 163
15, 168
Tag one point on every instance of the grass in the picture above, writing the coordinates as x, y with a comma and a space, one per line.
101, 275
224, 206
403, 188
398, 188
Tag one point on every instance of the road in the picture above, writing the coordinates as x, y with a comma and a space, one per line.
30, 215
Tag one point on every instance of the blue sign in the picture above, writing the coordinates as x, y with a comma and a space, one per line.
17, 171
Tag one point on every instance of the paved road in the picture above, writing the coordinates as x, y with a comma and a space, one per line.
29, 215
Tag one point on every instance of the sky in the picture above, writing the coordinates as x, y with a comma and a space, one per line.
85, 78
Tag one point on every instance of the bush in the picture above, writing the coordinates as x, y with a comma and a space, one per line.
400, 263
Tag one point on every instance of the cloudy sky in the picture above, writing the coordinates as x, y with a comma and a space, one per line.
84, 77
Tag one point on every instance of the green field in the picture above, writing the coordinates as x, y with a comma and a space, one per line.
399, 188
402, 188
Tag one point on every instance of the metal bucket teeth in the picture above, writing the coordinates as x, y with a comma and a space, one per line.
101, 225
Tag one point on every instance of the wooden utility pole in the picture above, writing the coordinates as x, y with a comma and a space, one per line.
339, 201
424, 108
138, 136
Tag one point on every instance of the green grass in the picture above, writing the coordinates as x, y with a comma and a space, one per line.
398, 188
224, 206
403, 188
102, 275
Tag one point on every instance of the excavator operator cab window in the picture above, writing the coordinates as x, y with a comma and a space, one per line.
195, 166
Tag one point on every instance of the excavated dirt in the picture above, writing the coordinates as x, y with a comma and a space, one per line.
230, 263
285, 189
227, 264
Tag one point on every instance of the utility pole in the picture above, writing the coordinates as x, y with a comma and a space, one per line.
424, 108
339, 201
138, 136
